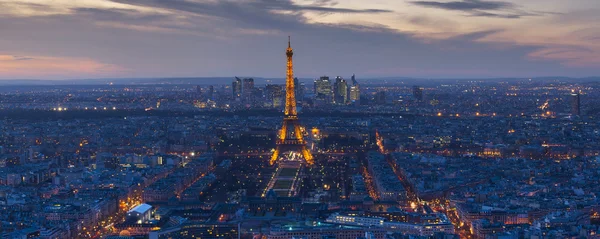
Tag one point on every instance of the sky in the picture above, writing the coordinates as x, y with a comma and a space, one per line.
82, 39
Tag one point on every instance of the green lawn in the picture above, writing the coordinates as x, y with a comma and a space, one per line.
288, 172
282, 184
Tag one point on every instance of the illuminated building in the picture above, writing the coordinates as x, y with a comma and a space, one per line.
248, 85
211, 92
291, 136
275, 95
248, 88
140, 213
491, 152
483, 228
354, 93
340, 90
323, 230
413, 224
323, 91
236, 87
198, 230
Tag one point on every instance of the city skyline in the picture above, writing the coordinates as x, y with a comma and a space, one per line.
435, 119
424, 39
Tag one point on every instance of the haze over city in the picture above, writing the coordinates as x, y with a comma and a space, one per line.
64, 39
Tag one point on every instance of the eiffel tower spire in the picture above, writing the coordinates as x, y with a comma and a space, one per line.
291, 137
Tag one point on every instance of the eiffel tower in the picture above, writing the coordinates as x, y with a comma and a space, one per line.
291, 137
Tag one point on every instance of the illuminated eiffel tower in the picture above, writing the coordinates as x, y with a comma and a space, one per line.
291, 137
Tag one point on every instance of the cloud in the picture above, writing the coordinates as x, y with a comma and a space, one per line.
255, 14
497, 15
22, 58
466, 5
480, 8
26, 9
45, 66
205, 7
116, 14
166, 38
572, 56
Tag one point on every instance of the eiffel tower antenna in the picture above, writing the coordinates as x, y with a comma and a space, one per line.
291, 137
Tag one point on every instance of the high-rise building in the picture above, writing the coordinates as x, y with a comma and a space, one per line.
354, 82
248, 87
575, 102
211, 92
323, 91
275, 95
418, 93
236, 87
354, 93
340, 89
299, 90
198, 90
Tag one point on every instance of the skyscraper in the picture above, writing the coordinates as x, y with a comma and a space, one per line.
418, 93
323, 91
354, 90
275, 95
198, 90
248, 89
354, 82
575, 102
340, 89
236, 87
211, 92
299, 90
354, 93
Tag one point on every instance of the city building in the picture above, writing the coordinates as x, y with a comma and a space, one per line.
409, 224
322, 231
236, 87
275, 96
323, 90
248, 90
300, 90
340, 89
140, 213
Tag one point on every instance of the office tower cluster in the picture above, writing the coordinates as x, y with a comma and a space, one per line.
243, 89
338, 92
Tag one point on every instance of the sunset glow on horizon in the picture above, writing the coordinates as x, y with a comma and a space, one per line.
63, 39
